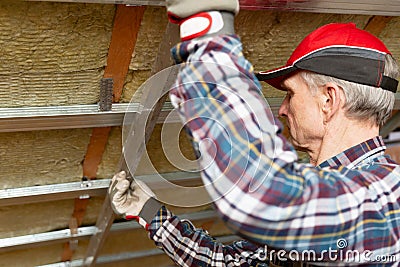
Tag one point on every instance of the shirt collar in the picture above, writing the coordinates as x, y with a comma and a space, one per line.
356, 154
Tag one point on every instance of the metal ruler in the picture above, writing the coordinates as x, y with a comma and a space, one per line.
139, 133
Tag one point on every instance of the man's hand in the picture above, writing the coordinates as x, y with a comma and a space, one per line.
132, 200
181, 9
203, 18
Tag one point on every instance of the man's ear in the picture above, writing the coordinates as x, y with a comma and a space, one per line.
332, 100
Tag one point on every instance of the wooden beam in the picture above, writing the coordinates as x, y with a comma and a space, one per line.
126, 27
376, 24
123, 40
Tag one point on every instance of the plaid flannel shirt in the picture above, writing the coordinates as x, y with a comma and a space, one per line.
348, 204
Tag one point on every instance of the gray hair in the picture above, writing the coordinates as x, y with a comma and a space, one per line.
363, 102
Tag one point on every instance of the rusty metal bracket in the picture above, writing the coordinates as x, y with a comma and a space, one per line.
106, 94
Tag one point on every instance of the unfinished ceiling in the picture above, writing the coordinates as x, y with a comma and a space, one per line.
58, 149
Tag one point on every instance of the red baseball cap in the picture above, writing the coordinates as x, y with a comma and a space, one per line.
339, 50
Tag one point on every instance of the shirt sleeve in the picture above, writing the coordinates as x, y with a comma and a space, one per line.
188, 246
250, 170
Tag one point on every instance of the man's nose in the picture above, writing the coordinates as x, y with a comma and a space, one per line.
282, 112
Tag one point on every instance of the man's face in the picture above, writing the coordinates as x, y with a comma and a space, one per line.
303, 112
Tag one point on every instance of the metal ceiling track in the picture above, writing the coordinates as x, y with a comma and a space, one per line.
134, 146
89, 116
363, 7
60, 236
68, 117
84, 189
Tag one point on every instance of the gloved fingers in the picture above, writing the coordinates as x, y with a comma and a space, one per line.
119, 190
116, 178
133, 196
134, 185
122, 186
120, 176
138, 185
135, 191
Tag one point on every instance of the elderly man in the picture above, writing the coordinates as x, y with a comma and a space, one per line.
342, 208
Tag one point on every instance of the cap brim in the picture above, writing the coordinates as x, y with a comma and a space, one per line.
275, 77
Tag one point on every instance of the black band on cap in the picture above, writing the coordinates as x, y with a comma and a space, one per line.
389, 84
353, 69
363, 66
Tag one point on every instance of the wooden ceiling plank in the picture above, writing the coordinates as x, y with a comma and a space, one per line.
363, 7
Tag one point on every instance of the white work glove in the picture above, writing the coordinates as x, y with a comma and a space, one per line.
200, 18
133, 200
181, 9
